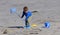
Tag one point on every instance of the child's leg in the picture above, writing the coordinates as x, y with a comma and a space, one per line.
29, 20
26, 23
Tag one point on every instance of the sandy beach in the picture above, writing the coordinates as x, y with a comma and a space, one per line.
48, 10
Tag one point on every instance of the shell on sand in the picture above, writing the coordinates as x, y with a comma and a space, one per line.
33, 25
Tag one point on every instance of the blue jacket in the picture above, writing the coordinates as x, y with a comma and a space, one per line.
27, 15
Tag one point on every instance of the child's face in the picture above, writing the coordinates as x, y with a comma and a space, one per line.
25, 9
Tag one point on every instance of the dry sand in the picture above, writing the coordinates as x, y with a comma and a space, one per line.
48, 10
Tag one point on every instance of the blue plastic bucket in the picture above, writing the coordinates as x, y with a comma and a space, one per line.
12, 10
47, 24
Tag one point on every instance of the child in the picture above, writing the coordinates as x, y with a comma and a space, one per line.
27, 14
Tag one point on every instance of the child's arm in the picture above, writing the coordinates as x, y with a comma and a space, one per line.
22, 15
